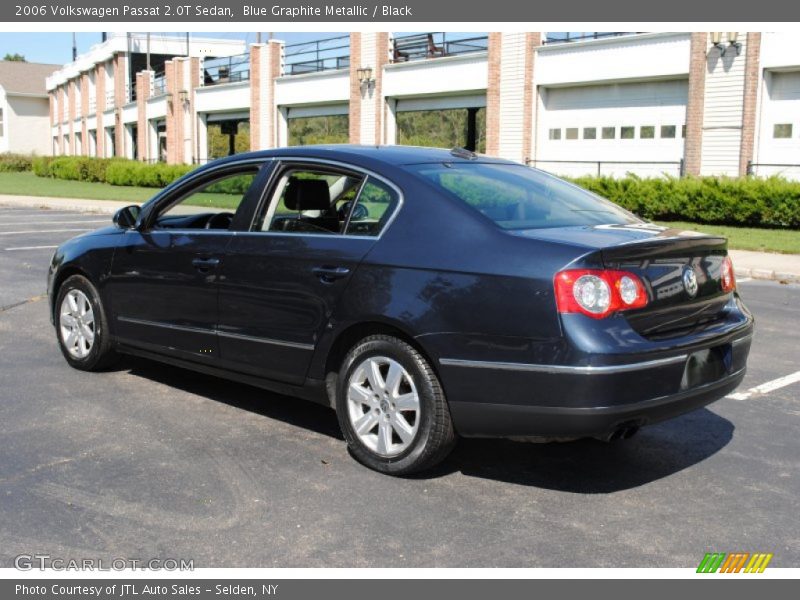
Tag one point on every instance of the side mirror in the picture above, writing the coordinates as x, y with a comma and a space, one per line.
125, 218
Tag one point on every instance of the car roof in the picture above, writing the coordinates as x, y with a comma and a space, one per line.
371, 155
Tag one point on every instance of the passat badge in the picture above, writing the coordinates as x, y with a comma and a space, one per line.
690, 282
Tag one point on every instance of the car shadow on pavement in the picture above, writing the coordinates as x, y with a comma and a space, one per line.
582, 466
293, 411
593, 467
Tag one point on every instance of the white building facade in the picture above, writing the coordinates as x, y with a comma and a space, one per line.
648, 103
24, 113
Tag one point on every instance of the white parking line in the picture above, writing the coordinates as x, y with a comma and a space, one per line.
40, 231
29, 248
766, 388
28, 223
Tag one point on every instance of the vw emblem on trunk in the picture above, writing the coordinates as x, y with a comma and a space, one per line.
690, 282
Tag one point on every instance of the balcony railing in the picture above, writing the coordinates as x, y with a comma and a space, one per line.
227, 69
318, 55
159, 84
563, 37
420, 46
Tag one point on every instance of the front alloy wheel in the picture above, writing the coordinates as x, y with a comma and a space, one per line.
81, 325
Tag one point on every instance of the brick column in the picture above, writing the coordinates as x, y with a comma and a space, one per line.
182, 75
493, 95
71, 114
355, 88
266, 64
120, 100
60, 117
532, 41
100, 107
693, 144
144, 85
381, 60
751, 78
84, 113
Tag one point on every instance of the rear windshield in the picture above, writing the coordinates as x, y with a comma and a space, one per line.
518, 197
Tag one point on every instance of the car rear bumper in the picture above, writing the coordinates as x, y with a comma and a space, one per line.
516, 400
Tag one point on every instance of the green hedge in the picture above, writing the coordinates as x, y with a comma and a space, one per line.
748, 201
115, 171
15, 163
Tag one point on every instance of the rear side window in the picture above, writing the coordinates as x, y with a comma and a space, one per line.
372, 210
518, 197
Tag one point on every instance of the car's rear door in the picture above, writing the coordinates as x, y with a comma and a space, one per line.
164, 276
280, 282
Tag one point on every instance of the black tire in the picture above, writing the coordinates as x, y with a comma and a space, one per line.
435, 436
101, 355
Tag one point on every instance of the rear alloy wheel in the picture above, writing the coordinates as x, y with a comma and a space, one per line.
81, 326
391, 407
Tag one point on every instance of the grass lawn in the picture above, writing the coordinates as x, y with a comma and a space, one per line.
785, 241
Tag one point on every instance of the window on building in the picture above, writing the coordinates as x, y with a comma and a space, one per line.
683, 131
555, 134
627, 133
2, 128
572, 133
439, 128
609, 133
325, 129
590, 133
782, 130
647, 132
668, 131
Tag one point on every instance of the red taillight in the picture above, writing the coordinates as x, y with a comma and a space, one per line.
598, 292
727, 277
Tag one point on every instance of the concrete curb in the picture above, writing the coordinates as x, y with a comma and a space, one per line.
72, 204
768, 275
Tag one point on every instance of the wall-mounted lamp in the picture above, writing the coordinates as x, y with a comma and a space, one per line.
183, 96
365, 76
733, 36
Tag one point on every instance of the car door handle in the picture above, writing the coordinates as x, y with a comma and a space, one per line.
330, 274
205, 264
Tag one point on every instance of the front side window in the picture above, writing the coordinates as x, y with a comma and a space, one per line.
209, 205
517, 197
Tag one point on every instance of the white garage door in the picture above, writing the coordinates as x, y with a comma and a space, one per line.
780, 126
622, 123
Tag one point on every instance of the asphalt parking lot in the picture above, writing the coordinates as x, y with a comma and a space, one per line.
148, 461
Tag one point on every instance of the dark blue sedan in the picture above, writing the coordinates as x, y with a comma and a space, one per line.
422, 293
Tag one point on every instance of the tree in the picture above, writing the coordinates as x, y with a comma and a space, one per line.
14, 57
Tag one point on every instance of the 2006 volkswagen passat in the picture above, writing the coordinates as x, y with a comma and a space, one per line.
422, 293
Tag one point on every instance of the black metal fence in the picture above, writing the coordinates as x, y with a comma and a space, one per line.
226, 69
675, 168
561, 37
159, 83
771, 168
318, 55
436, 44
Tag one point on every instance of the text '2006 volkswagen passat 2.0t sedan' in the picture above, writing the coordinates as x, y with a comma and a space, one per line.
422, 293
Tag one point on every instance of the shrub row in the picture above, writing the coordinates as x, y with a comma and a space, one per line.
15, 163
753, 202
116, 171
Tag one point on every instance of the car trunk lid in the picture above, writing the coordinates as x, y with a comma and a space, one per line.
681, 271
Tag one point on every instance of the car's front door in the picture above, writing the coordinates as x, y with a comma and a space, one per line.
280, 282
164, 276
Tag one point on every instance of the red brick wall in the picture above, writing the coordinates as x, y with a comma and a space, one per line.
144, 81
693, 144
256, 52
355, 88
381, 58
72, 112
100, 104
752, 68
120, 99
493, 96
532, 40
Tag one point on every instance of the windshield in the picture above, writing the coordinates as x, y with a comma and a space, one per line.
518, 197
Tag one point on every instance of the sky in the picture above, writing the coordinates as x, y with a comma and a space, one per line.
56, 47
